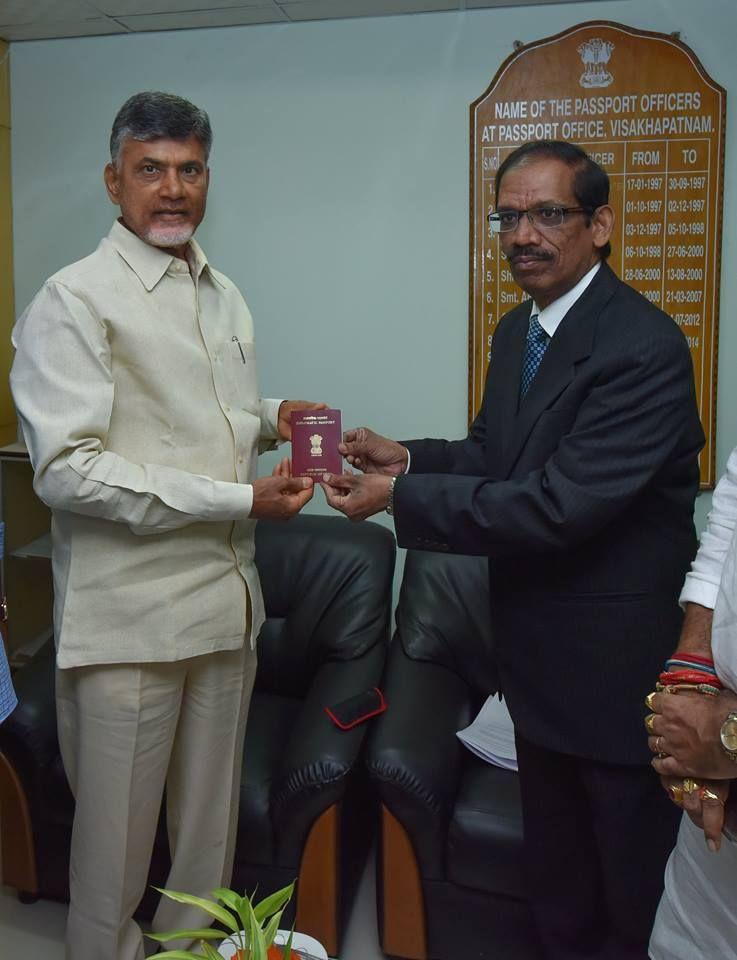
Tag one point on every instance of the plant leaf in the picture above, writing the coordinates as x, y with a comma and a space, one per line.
213, 909
255, 934
271, 927
179, 955
229, 897
206, 933
287, 949
235, 902
210, 953
273, 903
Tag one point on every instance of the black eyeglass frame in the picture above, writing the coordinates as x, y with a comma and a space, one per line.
530, 213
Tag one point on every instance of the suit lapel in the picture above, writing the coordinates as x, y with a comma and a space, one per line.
572, 342
502, 391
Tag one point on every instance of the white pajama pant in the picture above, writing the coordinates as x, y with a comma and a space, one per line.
125, 731
696, 919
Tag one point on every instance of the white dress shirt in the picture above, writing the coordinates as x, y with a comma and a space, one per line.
135, 384
550, 317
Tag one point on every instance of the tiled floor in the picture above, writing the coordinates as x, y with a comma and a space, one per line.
36, 931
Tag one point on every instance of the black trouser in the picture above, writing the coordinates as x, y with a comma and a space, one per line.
597, 837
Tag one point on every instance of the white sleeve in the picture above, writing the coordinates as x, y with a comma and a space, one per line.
269, 437
702, 582
63, 389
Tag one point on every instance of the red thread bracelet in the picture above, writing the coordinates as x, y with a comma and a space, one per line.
689, 676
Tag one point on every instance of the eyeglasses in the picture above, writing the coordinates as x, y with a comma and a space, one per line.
504, 221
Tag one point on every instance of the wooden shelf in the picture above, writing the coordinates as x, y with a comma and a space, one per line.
14, 451
40, 547
26, 567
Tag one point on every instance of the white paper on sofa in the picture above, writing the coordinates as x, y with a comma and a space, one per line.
491, 735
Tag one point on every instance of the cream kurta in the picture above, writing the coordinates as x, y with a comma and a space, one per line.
135, 384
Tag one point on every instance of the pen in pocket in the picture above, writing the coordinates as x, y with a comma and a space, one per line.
243, 356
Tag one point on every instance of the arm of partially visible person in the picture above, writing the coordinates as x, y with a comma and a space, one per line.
63, 389
701, 586
686, 728
685, 738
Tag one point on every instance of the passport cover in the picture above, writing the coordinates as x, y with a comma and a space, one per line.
315, 438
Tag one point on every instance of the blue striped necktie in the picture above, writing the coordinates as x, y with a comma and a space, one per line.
537, 342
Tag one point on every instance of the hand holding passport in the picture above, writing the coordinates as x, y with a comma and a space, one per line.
315, 438
316, 434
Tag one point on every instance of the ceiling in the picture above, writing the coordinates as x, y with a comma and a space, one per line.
46, 19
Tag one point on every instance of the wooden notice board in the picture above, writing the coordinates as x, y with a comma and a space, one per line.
645, 109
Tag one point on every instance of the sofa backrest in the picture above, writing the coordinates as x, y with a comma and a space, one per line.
327, 587
443, 615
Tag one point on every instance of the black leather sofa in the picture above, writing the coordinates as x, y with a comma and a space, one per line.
327, 586
449, 875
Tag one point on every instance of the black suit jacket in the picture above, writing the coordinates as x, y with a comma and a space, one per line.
582, 498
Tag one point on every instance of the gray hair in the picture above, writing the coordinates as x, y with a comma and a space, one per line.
152, 114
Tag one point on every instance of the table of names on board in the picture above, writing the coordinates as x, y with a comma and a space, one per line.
663, 151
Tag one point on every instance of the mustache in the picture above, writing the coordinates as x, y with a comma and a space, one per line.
528, 252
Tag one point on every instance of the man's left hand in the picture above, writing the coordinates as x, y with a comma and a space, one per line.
287, 408
357, 495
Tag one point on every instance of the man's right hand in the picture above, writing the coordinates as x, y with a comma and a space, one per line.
372, 453
280, 497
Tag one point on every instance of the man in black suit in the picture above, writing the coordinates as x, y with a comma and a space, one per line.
577, 479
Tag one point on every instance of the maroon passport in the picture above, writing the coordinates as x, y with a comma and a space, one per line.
315, 438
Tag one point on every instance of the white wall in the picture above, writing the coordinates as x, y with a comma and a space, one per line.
339, 199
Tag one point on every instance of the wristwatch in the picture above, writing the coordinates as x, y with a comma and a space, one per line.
728, 736
390, 501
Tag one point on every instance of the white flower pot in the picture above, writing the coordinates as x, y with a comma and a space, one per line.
303, 947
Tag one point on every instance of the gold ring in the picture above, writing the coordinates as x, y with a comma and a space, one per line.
706, 794
649, 701
649, 720
690, 785
676, 794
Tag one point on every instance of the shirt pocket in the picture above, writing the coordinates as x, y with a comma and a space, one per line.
240, 370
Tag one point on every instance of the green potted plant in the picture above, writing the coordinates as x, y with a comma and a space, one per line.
250, 927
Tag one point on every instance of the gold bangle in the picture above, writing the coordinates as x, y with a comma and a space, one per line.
704, 688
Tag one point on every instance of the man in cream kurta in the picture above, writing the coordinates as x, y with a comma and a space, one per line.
136, 387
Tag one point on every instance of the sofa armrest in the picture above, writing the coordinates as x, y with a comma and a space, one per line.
319, 757
413, 755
